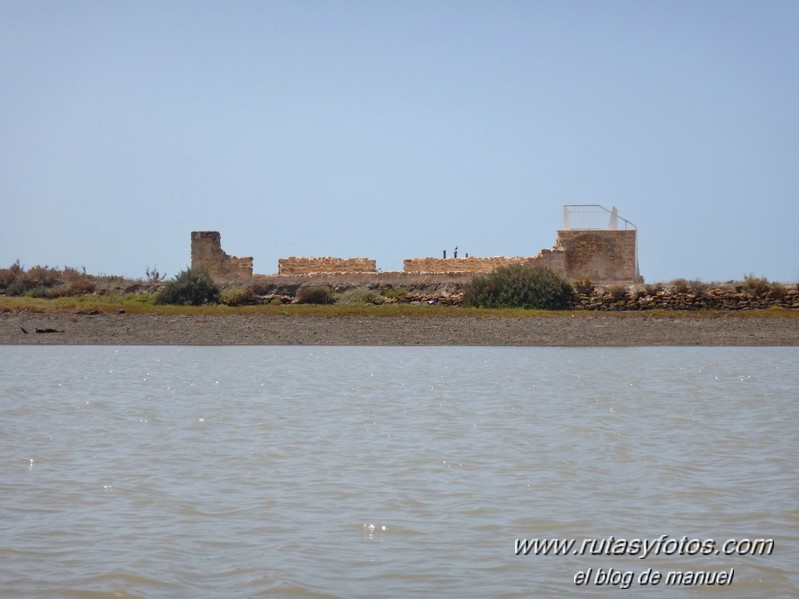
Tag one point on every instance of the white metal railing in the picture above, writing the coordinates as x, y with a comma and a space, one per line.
593, 216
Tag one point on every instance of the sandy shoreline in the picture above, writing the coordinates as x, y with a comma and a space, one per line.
559, 330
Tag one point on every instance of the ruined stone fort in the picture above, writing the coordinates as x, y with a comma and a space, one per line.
595, 243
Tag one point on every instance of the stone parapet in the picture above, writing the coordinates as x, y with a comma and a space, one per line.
471, 264
553, 259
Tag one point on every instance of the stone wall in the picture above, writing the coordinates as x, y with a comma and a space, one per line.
448, 289
304, 266
207, 254
471, 264
475, 265
669, 297
599, 255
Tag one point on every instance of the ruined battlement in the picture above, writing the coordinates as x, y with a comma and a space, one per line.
583, 250
597, 255
304, 266
471, 265
553, 259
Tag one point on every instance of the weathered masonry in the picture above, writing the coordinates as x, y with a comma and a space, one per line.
306, 266
207, 254
595, 243
598, 244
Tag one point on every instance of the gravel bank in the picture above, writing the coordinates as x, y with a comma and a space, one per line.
584, 330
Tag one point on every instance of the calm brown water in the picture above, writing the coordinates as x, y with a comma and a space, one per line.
391, 472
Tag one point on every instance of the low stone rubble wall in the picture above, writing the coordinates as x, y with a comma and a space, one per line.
668, 298
605, 298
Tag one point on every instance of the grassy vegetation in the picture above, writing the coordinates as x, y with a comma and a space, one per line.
360, 296
190, 287
46, 289
320, 295
238, 296
44, 281
519, 286
694, 286
395, 293
145, 304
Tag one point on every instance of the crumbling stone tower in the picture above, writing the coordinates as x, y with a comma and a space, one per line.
207, 254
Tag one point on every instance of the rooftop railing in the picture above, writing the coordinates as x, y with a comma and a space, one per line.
594, 216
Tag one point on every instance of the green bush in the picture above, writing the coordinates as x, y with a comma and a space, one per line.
315, 295
41, 292
360, 296
191, 287
18, 287
238, 296
519, 286
395, 293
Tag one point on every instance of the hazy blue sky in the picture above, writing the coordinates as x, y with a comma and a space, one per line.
392, 130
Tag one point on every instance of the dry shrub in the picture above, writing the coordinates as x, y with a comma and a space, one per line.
618, 293
694, 286
680, 285
778, 291
323, 294
360, 296
76, 282
756, 285
9, 276
35, 282
583, 286
395, 293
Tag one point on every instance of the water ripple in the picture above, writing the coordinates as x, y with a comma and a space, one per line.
356, 472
